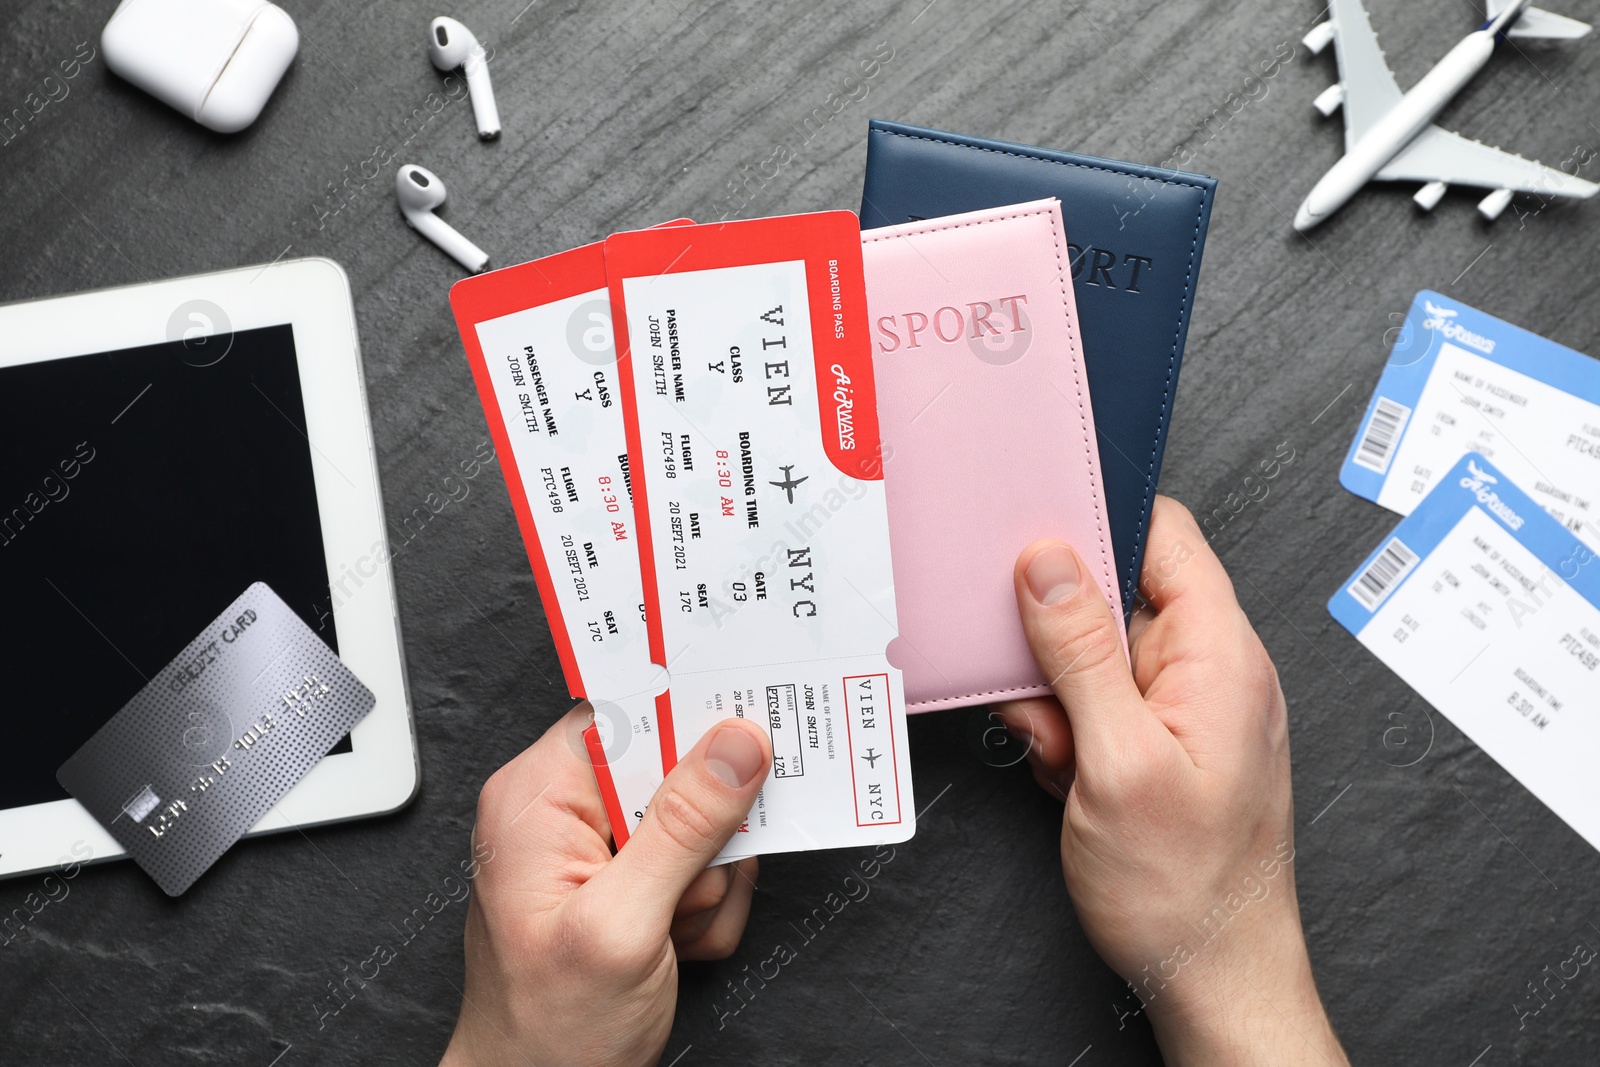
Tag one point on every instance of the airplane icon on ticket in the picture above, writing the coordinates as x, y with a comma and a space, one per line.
790, 483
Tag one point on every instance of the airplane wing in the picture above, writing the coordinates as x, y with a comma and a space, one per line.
1369, 86
1437, 155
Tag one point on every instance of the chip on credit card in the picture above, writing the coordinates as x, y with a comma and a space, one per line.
216, 738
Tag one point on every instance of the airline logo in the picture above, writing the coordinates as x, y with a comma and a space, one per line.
1478, 481
1442, 321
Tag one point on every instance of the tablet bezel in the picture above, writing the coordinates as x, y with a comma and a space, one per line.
381, 773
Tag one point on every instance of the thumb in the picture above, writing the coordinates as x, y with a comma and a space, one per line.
1077, 642
691, 817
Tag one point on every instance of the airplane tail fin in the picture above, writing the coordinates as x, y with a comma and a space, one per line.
1537, 23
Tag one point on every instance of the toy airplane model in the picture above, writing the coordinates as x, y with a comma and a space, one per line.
1390, 135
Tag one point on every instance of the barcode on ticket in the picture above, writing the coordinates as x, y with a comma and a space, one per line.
1383, 432
1375, 583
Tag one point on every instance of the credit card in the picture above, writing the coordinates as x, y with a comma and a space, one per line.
538, 337
748, 394
1458, 381
214, 740
1490, 609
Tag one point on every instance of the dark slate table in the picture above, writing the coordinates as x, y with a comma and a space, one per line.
1434, 887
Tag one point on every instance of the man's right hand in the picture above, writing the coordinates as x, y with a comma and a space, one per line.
1178, 836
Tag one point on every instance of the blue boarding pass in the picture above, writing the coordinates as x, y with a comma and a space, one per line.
1458, 381
1490, 609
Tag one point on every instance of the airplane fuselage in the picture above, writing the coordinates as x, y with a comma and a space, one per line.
1415, 110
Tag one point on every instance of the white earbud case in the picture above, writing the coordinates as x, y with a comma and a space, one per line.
217, 61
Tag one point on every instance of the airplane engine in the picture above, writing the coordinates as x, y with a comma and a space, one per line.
1491, 206
1329, 99
1428, 196
1319, 37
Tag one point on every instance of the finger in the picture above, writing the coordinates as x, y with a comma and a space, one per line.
688, 930
699, 903
721, 935
1138, 622
705, 892
1179, 566
543, 808
1077, 642
691, 817
1056, 785
1042, 725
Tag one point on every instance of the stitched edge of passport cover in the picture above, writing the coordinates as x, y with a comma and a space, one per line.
1185, 302
1080, 388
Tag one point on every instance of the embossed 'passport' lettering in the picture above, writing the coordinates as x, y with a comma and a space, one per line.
1094, 266
972, 321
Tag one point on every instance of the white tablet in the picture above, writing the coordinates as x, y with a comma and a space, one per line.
162, 446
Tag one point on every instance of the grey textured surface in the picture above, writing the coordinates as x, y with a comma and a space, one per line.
1433, 886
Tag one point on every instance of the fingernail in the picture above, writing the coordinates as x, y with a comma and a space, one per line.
1053, 575
734, 756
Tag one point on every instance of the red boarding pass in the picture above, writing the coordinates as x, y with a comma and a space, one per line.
538, 337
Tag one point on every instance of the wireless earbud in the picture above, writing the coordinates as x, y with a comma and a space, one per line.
451, 45
421, 193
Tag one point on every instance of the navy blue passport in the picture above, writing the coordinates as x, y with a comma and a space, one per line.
1135, 236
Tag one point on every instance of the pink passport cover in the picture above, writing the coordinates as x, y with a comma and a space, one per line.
988, 439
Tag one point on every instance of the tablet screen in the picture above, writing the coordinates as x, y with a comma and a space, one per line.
141, 491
